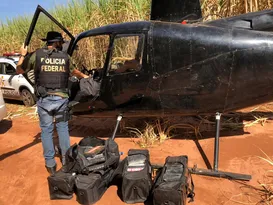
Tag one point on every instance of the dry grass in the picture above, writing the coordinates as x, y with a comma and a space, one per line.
151, 135
215, 9
234, 123
161, 130
17, 111
156, 132
260, 194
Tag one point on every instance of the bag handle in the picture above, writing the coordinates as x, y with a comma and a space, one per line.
178, 159
144, 152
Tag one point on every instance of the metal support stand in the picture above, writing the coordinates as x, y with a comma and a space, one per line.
215, 172
216, 142
119, 118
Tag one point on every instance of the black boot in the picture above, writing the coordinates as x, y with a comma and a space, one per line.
51, 170
64, 165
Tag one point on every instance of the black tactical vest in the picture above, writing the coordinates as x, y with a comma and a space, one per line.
52, 69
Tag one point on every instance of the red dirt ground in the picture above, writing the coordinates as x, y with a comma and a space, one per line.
23, 176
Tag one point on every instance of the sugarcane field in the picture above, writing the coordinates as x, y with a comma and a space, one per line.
136, 102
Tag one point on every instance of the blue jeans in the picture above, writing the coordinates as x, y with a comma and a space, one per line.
48, 108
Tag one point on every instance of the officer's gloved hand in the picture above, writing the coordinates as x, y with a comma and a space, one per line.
74, 79
72, 104
96, 74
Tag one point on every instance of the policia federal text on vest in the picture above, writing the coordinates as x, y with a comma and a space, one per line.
52, 72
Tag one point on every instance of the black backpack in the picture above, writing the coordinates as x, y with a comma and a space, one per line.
61, 185
90, 188
173, 183
92, 154
136, 177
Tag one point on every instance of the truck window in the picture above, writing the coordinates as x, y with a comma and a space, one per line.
2, 68
6, 68
10, 70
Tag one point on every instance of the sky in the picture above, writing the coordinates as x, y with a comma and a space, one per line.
14, 8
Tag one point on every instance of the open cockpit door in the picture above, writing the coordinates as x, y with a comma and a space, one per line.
43, 22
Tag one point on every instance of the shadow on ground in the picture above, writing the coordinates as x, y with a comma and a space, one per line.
35, 141
5, 125
185, 127
14, 102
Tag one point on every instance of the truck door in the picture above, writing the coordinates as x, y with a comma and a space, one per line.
9, 80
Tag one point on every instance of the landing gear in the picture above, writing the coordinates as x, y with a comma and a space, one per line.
119, 118
215, 172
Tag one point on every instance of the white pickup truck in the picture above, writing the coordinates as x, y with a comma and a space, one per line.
15, 86
3, 110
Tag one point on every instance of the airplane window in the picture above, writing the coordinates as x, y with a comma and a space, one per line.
127, 54
91, 53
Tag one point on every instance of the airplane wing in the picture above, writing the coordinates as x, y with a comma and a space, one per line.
175, 10
260, 21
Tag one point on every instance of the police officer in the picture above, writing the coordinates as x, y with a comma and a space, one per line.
52, 68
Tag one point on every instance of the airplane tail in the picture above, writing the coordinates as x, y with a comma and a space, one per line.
175, 10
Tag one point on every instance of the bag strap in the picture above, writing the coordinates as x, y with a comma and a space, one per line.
71, 154
191, 193
96, 168
180, 159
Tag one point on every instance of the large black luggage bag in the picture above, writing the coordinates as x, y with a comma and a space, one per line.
92, 154
90, 188
136, 177
61, 185
173, 183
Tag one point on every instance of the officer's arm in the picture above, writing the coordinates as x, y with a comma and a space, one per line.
79, 74
23, 50
19, 69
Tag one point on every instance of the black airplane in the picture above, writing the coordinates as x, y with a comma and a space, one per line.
180, 64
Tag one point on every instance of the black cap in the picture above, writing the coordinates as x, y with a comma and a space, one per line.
53, 36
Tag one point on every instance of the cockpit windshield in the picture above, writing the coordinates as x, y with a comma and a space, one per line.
91, 52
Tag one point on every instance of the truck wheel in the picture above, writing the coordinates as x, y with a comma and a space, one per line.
27, 97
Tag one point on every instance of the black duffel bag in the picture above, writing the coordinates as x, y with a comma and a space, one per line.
90, 188
173, 184
136, 177
92, 154
61, 185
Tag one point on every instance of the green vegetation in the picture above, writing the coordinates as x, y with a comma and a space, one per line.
81, 15
77, 16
